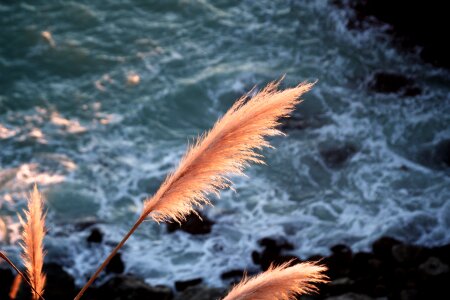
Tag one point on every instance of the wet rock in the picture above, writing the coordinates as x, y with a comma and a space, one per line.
382, 248
272, 253
388, 82
116, 265
337, 156
340, 286
194, 225
442, 252
201, 293
409, 294
182, 285
7, 278
434, 267
408, 254
350, 296
402, 17
339, 261
59, 285
96, 236
233, 274
130, 288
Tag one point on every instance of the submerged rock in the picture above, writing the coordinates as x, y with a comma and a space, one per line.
194, 225
389, 82
337, 156
442, 153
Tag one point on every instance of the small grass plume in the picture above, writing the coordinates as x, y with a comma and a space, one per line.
15, 287
225, 150
9, 262
281, 283
33, 242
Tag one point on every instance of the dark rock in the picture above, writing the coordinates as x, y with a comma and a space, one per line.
442, 252
130, 288
336, 157
300, 122
350, 296
201, 293
402, 17
340, 286
339, 262
442, 153
232, 274
59, 285
96, 236
182, 285
7, 278
272, 253
194, 225
408, 254
388, 82
382, 248
434, 267
409, 294
116, 265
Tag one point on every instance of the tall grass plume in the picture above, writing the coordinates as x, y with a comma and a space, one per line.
280, 283
33, 242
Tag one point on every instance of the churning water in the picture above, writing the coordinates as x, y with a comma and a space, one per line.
98, 146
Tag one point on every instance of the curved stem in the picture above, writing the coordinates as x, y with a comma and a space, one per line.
110, 256
5, 258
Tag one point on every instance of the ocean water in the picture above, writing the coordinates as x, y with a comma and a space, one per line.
98, 146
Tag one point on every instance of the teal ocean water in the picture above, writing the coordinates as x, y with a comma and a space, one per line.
74, 119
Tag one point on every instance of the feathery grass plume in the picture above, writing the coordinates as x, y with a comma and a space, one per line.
32, 242
223, 151
15, 287
281, 283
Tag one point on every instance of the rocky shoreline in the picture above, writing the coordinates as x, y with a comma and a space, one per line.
415, 26
391, 270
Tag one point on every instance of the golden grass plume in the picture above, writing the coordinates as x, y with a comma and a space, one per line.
32, 242
223, 151
281, 283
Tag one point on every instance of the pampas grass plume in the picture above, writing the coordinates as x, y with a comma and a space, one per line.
225, 150
32, 242
281, 283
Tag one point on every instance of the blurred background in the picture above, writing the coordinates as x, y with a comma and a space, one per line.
98, 101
